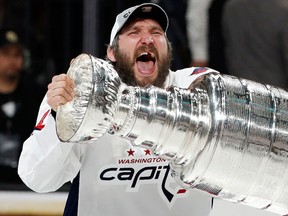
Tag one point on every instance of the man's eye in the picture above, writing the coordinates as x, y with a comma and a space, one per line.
157, 33
133, 33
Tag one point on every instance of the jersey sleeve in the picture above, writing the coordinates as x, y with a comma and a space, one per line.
45, 162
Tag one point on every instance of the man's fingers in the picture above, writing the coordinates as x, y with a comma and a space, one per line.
63, 92
60, 91
61, 87
59, 82
63, 79
57, 100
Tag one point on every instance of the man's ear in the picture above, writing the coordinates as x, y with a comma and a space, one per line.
110, 54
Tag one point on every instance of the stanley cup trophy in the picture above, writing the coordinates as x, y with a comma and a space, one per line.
226, 136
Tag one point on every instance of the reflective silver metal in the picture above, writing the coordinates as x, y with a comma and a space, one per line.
226, 136
90, 114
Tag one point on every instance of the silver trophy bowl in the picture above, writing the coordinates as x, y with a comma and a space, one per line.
90, 114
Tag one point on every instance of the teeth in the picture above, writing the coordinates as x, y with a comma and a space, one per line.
142, 54
146, 56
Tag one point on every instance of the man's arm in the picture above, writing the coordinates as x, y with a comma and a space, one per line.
45, 163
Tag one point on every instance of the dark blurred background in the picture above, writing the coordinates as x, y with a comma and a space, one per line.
50, 29
55, 31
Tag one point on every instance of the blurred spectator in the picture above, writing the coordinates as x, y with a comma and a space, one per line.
197, 16
19, 101
204, 31
256, 40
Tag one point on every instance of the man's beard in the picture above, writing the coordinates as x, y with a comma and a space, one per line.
124, 67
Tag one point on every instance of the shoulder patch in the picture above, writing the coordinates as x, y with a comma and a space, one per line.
199, 70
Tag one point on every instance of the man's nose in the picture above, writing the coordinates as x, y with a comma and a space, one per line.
147, 39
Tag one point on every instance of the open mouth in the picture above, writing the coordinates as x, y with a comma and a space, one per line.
146, 63
146, 56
